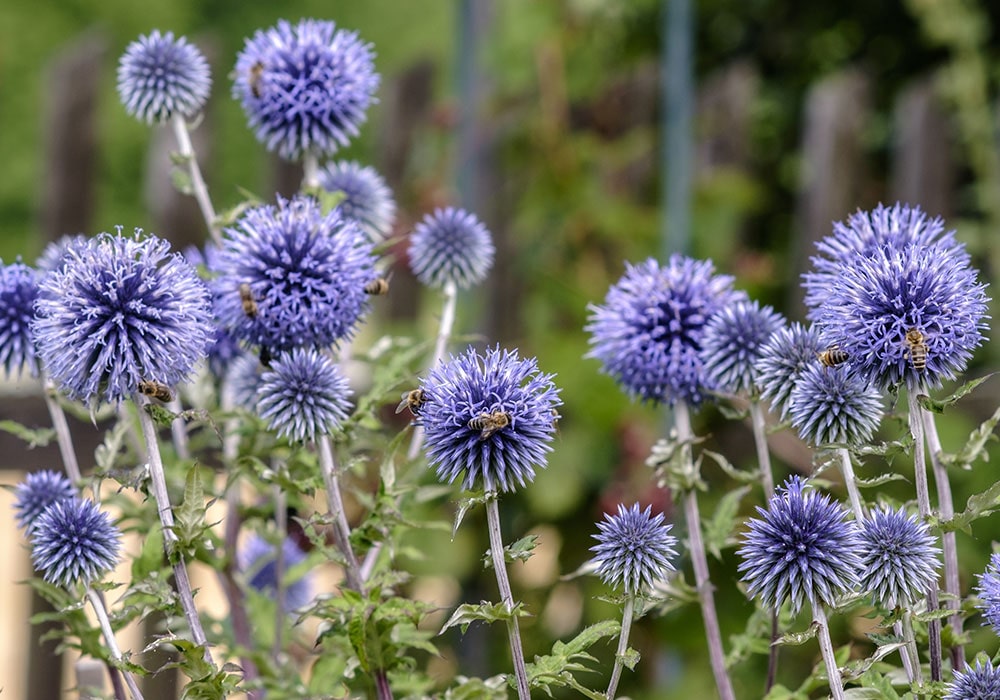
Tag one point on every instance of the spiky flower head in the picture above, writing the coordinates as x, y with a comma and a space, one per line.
367, 199
648, 333
834, 405
489, 416
634, 549
37, 492
18, 291
74, 541
782, 359
305, 87
304, 272
259, 560
303, 395
451, 246
802, 547
160, 76
989, 592
733, 342
899, 559
981, 682
121, 310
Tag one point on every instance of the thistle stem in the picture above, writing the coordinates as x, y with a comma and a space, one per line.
281, 520
699, 561
198, 187
760, 440
310, 171
109, 638
63, 437
178, 430
826, 647
503, 583
847, 469
616, 673
909, 655
335, 503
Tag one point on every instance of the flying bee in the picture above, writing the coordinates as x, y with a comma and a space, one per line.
489, 423
832, 356
246, 298
256, 73
156, 390
377, 287
916, 349
412, 400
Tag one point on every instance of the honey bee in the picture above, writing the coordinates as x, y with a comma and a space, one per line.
916, 349
377, 287
156, 390
832, 356
246, 298
489, 423
412, 400
256, 73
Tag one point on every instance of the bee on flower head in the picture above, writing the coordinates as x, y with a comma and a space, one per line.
832, 356
247, 300
377, 287
156, 390
412, 400
490, 423
916, 349
256, 73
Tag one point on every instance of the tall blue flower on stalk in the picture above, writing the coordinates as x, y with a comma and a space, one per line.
74, 541
899, 560
303, 395
733, 343
634, 549
305, 87
258, 559
121, 310
367, 198
989, 592
159, 76
451, 246
18, 291
789, 352
981, 682
290, 276
801, 548
649, 331
834, 405
489, 416
37, 492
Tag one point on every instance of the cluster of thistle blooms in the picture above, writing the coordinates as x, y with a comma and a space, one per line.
893, 300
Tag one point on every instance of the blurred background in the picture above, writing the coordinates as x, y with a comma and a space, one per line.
584, 133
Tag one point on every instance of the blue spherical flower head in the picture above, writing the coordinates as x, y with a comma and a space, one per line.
367, 199
37, 492
865, 232
18, 291
783, 358
733, 342
303, 395
899, 558
258, 559
802, 547
159, 76
634, 549
979, 683
489, 416
290, 276
120, 311
834, 405
649, 331
305, 87
451, 246
989, 592
74, 541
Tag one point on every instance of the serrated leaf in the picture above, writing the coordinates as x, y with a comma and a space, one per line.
796, 638
979, 505
150, 557
938, 405
467, 503
719, 529
738, 475
865, 694
974, 448
879, 683
884, 449
517, 551
879, 480
467, 613
39, 437
673, 466
855, 669
189, 517
160, 415
928, 615
630, 658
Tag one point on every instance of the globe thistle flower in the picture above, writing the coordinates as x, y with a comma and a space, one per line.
367, 199
865, 232
782, 359
302, 395
258, 559
801, 548
54, 253
305, 88
290, 276
74, 541
979, 683
121, 310
18, 291
451, 245
490, 416
634, 549
649, 331
899, 561
733, 343
989, 592
159, 76
834, 405
37, 492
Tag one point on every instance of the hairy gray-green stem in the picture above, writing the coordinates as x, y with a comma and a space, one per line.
335, 504
847, 469
109, 638
627, 612
198, 187
826, 647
